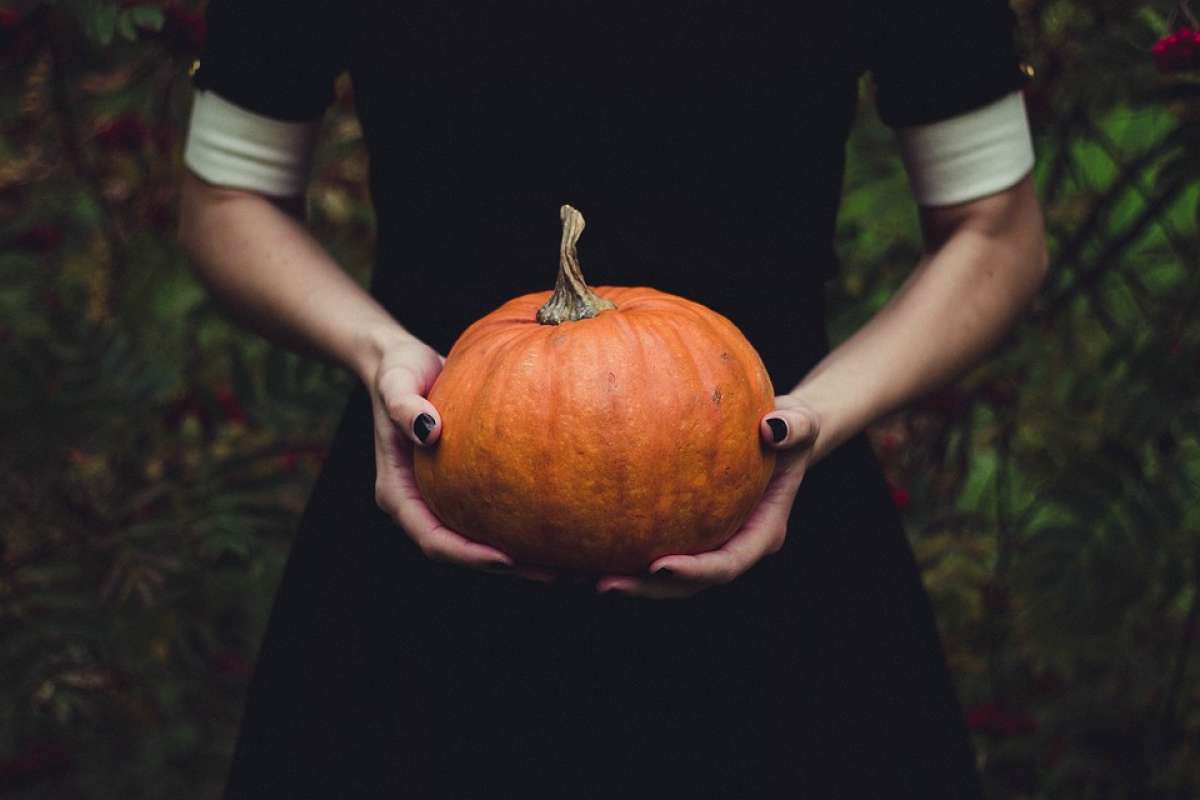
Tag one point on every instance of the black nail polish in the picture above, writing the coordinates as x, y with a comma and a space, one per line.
664, 572
422, 425
778, 429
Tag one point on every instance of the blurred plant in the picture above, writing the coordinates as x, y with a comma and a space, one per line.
153, 458
1051, 493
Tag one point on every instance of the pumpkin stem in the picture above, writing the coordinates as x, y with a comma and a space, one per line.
572, 299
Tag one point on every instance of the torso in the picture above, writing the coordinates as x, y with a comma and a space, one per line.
705, 149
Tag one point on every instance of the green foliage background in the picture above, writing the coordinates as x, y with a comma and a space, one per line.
154, 458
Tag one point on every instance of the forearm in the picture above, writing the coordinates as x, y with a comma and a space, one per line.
277, 279
957, 304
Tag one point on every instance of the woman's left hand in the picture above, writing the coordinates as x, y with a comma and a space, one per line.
792, 429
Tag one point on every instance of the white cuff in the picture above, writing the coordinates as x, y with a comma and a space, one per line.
970, 155
228, 145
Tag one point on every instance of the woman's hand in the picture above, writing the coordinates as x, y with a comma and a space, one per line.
405, 419
792, 429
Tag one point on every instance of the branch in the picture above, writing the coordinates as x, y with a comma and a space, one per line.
1115, 246
68, 130
1112, 151
996, 615
1062, 156
1096, 216
10, 566
1171, 699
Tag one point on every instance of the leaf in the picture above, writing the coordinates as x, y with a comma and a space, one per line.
147, 17
244, 385
1152, 18
126, 27
277, 374
979, 479
228, 543
103, 23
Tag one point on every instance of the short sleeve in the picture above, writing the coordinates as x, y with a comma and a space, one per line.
936, 59
276, 58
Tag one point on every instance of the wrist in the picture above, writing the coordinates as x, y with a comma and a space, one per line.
836, 419
371, 345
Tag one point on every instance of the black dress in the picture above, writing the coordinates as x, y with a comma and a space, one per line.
704, 142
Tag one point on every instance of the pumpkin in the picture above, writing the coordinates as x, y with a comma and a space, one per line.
597, 430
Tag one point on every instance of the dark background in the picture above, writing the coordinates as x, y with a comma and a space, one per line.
154, 458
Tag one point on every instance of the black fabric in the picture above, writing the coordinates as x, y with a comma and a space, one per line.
937, 58
705, 146
275, 57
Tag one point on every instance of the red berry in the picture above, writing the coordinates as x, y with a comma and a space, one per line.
230, 664
9, 19
995, 597
126, 131
994, 720
950, 401
185, 28
1177, 51
230, 405
39, 239
34, 761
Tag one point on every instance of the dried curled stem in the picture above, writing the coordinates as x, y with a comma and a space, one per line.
572, 299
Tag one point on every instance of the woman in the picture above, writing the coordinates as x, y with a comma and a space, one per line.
705, 147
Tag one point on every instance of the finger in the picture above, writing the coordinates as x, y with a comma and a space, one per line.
534, 574
414, 415
523, 571
399, 496
785, 428
650, 588
440, 543
715, 567
685, 575
762, 534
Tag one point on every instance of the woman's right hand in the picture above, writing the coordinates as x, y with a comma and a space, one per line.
405, 419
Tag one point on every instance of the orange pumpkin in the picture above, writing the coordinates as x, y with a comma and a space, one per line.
598, 430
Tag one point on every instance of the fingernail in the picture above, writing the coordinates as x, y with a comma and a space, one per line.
422, 425
778, 429
663, 572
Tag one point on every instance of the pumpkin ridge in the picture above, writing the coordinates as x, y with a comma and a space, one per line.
723, 423
722, 327
513, 443
623, 450
552, 441
753, 375
675, 464
633, 350
482, 432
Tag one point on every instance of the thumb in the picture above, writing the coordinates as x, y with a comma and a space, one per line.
785, 428
414, 415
